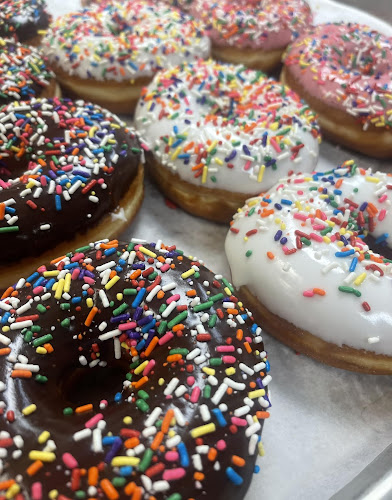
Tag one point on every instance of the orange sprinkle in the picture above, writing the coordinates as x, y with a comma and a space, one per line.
238, 461
34, 468
135, 274
160, 294
21, 374
270, 255
174, 358
151, 346
5, 351
140, 382
191, 293
247, 347
110, 244
180, 326
84, 408
240, 334
261, 415
157, 440
137, 494
212, 454
231, 311
7, 293
4, 485
198, 476
132, 442
93, 474
338, 183
54, 261
109, 490
130, 488
2, 211
49, 348
166, 421
90, 316
319, 291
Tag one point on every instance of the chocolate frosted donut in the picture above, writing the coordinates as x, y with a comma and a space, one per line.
129, 371
64, 166
24, 73
23, 19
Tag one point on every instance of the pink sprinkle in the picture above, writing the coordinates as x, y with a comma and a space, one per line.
166, 338
75, 274
88, 280
171, 456
247, 165
103, 403
173, 297
316, 237
382, 214
173, 474
59, 189
229, 360
190, 380
382, 198
300, 216
36, 491
42, 269
195, 394
275, 145
165, 268
299, 181
318, 227
333, 238
149, 367
38, 289
225, 348
43, 181
221, 445
240, 422
127, 326
70, 461
308, 293
77, 257
93, 421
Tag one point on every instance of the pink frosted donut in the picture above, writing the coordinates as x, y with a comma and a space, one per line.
344, 73
252, 32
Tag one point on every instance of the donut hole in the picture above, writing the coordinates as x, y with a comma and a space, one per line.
81, 385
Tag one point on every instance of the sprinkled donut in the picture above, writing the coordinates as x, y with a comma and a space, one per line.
343, 71
24, 74
219, 134
23, 20
128, 371
307, 257
65, 166
107, 54
252, 32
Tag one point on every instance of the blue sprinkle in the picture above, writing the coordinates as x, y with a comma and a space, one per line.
50, 283
108, 440
278, 235
32, 277
363, 206
253, 328
5, 317
110, 251
267, 366
118, 397
219, 416
345, 254
233, 476
286, 202
283, 241
126, 470
58, 202
257, 469
183, 452
139, 297
353, 264
382, 238
76, 300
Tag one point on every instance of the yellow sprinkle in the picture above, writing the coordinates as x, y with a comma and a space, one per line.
171, 433
148, 252
67, 284
261, 449
161, 381
174, 156
274, 126
29, 409
41, 350
188, 273
212, 146
258, 393
246, 238
253, 202
372, 179
59, 289
44, 456
342, 230
49, 274
43, 437
127, 420
92, 131
141, 367
5, 329
204, 176
283, 226
12, 491
298, 204
208, 371
89, 302
261, 173
112, 282
230, 371
227, 291
202, 430
53, 494
326, 239
360, 279
340, 244
122, 461
119, 296
278, 221
218, 161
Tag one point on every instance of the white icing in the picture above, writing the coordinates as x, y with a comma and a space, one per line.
191, 92
140, 36
336, 317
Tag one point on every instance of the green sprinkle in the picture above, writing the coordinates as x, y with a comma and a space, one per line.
248, 253
120, 309
175, 496
68, 411
218, 296
207, 392
180, 317
212, 321
41, 379
215, 361
63, 307
12, 229
28, 336
349, 289
203, 306
146, 460
229, 285
35, 328
143, 395
129, 291
42, 340
82, 249
142, 405
162, 327
42, 309
179, 350
65, 323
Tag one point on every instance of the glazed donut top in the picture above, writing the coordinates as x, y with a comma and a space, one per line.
63, 165
301, 251
227, 127
129, 370
124, 41
23, 72
22, 18
261, 24
349, 67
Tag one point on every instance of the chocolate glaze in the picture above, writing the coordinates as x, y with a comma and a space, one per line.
23, 18
75, 158
24, 69
71, 384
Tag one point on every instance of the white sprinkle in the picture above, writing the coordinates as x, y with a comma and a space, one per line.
102, 326
205, 413
104, 299
97, 441
254, 439
242, 410
220, 392
21, 325
109, 335
25, 366
266, 380
180, 419
252, 429
117, 348
169, 286
245, 368
171, 386
193, 354
83, 434
237, 386
153, 416
160, 486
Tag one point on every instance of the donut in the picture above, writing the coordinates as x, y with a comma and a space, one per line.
109, 53
313, 259
129, 371
343, 71
220, 133
24, 20
252, 32
65, 166
24, 74
179, 4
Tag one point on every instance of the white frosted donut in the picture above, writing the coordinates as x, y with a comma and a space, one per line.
224, 127
300, 252
122, 44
